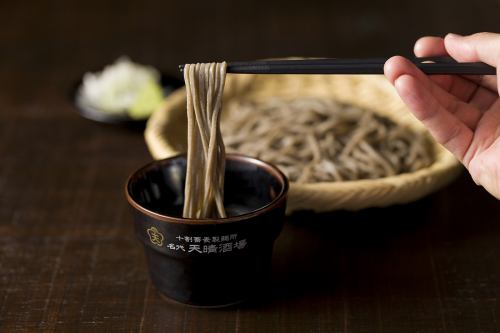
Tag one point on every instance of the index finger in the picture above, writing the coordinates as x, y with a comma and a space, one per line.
460, 86
483, 46
429, 46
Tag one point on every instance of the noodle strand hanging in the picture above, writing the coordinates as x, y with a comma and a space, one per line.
204, 189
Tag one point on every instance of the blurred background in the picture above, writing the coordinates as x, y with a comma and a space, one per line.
68, 36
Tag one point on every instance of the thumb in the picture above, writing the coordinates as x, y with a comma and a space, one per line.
483, 46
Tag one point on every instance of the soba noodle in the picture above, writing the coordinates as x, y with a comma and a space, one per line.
204, 189
315, 139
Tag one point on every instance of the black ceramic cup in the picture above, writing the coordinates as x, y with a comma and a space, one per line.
208, 262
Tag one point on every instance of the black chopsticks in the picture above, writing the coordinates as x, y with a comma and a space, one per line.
429, 65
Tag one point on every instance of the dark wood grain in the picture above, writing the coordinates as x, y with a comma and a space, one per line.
68, 258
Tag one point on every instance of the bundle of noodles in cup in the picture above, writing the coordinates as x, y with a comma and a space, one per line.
204, 189
231, 236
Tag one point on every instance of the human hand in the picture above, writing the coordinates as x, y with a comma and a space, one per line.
461, 112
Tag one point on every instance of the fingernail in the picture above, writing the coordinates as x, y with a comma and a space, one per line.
453, 36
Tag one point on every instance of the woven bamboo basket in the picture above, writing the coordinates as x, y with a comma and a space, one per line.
166, 136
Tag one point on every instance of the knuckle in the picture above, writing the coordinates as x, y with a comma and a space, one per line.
452, 134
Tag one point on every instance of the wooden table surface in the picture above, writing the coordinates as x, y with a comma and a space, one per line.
68, 259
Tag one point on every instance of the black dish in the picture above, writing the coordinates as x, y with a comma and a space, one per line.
209, 262
169, 84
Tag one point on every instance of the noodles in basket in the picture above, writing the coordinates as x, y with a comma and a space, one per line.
314, 139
